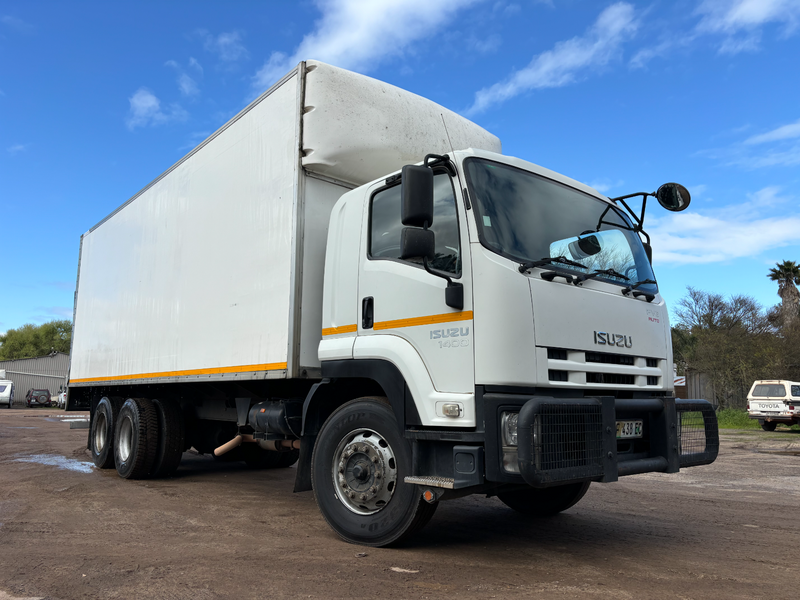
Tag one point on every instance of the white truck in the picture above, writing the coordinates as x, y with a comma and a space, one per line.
352, 278
774, 401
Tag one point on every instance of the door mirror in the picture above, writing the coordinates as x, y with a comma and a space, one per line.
417, 243
673, 197
417, 192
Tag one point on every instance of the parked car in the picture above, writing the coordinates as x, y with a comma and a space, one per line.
38, 398
6, 393
774, 401
61, 400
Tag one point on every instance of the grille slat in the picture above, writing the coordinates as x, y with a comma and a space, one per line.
615, 378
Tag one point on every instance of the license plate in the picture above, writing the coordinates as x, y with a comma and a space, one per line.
629, 429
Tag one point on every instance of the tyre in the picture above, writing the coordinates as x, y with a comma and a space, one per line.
171, 432
544, 502
136, 438
769, 425
101, 433
258, 458
357, 470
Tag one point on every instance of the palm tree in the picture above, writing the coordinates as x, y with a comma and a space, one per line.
787, 274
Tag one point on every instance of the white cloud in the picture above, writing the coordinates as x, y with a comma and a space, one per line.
146, 110
784, 132
693, 238
359, 34
16, 23
193, 64
227, 45
740, 21
17, 148
604, 185
186, 85
567, 60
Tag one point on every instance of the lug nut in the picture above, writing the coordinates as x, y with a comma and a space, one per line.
375, 459
365, 448
363, 496
352, 495
378, 475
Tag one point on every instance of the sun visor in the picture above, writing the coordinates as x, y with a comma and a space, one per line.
357, 129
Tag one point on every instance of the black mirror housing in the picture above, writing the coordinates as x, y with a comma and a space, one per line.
417, 243
417, 192
673, 196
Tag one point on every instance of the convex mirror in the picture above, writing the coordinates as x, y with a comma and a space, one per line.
673, 196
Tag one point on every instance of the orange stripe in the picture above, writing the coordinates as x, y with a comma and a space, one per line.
213, 371
342, 329
430, 320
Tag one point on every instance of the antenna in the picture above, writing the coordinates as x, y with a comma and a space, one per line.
447, 133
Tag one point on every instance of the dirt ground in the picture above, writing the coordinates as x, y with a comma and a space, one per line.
67, 530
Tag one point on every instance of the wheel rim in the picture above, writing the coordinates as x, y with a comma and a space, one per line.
364, 472
100, 433
125, 438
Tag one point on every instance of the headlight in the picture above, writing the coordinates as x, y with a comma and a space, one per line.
508, 425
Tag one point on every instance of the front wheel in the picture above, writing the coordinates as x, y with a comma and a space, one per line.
357, 470
544, 502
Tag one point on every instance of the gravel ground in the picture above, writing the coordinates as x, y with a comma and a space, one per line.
215, 530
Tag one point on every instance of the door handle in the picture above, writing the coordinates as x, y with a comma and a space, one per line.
367, 313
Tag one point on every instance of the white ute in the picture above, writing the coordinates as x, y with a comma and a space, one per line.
773, 401
353, 278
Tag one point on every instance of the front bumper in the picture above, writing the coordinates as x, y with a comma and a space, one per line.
564, 440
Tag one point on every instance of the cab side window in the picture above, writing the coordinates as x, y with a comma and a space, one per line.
385, 225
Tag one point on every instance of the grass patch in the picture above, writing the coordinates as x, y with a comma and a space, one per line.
736, 418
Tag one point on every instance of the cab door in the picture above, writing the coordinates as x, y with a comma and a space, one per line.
399, 298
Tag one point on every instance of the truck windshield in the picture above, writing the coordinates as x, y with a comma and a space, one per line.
526, 217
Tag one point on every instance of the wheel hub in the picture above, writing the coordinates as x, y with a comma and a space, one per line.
364, 471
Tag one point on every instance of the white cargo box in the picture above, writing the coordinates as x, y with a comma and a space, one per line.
214, 270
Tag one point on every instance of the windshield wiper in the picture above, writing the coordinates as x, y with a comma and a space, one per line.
553, 260
636, 294
611, 272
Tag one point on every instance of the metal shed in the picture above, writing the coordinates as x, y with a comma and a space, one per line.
43, 373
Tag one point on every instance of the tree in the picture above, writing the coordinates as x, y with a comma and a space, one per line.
30, 340
731, 341
787, 274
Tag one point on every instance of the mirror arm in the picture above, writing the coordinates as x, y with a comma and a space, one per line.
435, 160
454, 293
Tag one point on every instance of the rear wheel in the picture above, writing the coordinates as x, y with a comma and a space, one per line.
171, 433
769, 425
136, 438
101, 435
357, 470
544, 502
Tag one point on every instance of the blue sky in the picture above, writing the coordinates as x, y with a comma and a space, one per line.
98, 98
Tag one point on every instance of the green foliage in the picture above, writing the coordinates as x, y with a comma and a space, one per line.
30, 340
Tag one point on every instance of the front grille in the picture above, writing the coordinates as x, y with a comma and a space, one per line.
609, 359
613, 378
589, 368
568, 441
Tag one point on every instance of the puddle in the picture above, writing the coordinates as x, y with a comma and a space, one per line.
61, 462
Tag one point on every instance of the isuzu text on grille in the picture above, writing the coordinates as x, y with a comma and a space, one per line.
613, 339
